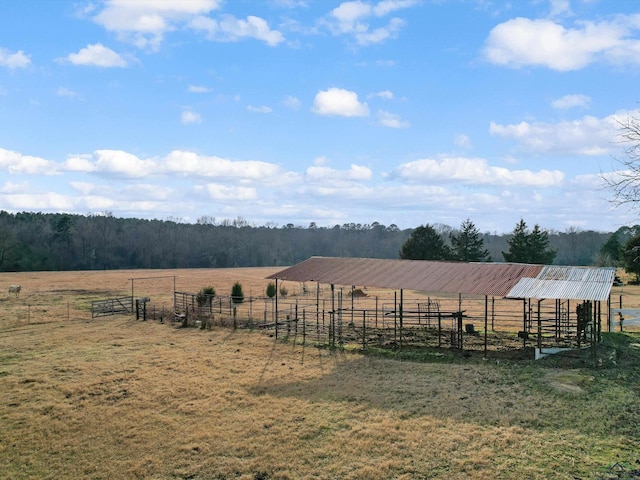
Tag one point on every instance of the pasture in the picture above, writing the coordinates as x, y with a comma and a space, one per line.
115, 397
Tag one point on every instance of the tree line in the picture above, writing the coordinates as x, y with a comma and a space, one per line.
32, 241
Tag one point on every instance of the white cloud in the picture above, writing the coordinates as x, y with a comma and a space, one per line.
39, 202
260, 109
190, 163
13, 60
198, 89
124, 164
463, 141
560, 7
522, 42
145, 22
188, 116
292, 102
97, 55
16, 163
472, 171
385, 95
79, 163
231, 192
586, 136
391, 120
65, 92
10, 187
231, 29
571, 101
350, 18
318, 173
337, 101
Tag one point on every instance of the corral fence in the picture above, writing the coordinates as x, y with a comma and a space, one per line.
342, 320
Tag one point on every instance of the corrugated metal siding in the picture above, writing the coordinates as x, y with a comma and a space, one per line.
571, 283
494, 279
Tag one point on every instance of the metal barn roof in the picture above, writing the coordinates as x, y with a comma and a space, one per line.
513, 280
572, 283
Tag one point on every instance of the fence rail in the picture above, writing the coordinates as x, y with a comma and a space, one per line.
112, 306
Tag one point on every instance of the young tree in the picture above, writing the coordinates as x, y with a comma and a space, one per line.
271, 290
237, 296
205, 296
425, 243
467, 245
529, 247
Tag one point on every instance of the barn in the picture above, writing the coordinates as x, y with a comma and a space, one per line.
453, 304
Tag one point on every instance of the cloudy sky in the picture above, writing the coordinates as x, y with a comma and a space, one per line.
402, 112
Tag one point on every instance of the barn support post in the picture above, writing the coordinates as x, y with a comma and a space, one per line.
524, 323
395, 316
493, 313
276, 320
439, 328
460, 326
376, 311
317, 305
353, 288
539, 327
401, 315
486, 322
599, 308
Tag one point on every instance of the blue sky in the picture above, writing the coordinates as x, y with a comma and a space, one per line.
401, 112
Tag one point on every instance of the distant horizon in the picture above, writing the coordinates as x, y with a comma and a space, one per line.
403, 112
249, 223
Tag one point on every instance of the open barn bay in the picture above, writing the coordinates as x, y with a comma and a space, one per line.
114, 397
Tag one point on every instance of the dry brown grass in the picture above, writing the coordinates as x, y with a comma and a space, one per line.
119, 398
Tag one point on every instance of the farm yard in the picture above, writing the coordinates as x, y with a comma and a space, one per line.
116, 397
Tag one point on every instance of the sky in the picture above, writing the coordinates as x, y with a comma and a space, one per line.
280, 112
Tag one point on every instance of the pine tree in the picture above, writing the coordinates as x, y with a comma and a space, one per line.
539, 249
529, 247
468, 245
425, 243
518, 245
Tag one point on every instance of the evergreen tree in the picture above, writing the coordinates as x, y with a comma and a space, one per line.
468, 245
631, 256
539, 249
425, 243
529, 247
518, 245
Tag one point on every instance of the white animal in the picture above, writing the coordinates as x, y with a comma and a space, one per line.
15, 289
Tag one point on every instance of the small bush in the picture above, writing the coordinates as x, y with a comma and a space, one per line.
237, 296
283, 291
205, 296
271, 290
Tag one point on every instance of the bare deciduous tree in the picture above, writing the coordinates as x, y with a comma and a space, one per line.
625, 182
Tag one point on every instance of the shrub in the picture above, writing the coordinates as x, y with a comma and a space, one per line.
271, 290
205, 296
283, 291
236, 293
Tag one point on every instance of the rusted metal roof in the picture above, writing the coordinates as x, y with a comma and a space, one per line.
514, 280
572, 283
494, 279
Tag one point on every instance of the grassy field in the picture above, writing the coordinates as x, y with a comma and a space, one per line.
116, 398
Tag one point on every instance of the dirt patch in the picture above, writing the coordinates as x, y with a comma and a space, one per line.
568, 381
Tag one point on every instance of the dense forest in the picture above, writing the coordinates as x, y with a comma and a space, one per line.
39, 241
